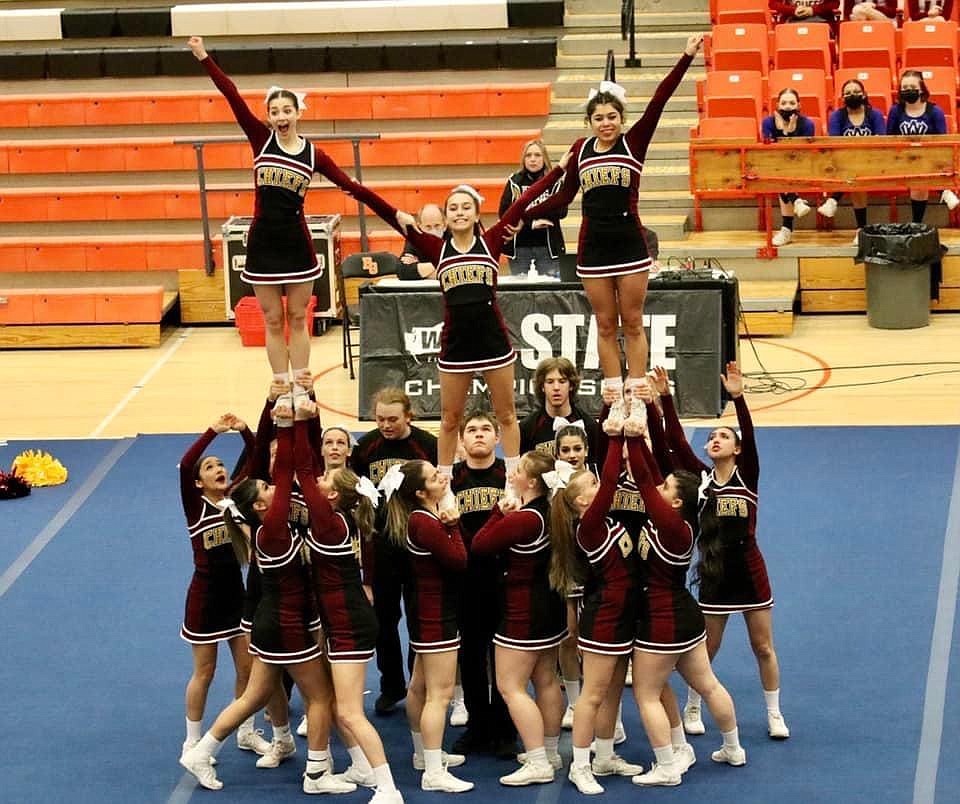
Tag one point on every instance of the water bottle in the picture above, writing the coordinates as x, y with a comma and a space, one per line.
532, 273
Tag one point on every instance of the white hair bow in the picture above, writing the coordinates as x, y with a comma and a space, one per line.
366, 488
301, 96
560, 422
392, 480
472, 192
611, 88
559, 477
705, 478
228, 505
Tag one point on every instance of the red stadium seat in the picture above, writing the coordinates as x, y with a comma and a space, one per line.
868, 44
942, 84
740, 47
929, 44
876, 81
814, 87
733, 94
728, 128
741, 11
804, 46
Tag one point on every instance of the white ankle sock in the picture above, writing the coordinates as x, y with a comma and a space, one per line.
194, 730
604, 747
678, 736
359, 759
209, 744
432, 760
693, 697
731, 739
573, 691
538, 754
773, 700
581, 757
316, 761
664, 755
417, 743
384, 777
281, 732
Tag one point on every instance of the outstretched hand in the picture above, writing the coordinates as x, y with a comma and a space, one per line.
223, 424
405, 219
195, 44
660, 380
694, 43
733, 380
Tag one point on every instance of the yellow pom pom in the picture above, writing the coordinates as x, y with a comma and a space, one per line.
39, 468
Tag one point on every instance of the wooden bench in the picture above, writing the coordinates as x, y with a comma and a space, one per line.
32, 318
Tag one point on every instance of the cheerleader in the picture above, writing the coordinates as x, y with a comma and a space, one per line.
280, 254
532, 622
579, 523
731, 569
613, 260
671, 634
215, 599
474, 337
414, 490
542, 243
341, 520
280, 636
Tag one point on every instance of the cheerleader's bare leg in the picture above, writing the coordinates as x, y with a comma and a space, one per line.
298, 297
514, 670
270, 298
602, 293
204, 667
502, 396
632, 294
454, 387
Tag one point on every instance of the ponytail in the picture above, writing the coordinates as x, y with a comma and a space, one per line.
564, 568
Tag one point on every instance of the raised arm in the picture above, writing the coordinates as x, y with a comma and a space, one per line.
748, 461
672, 530
275, 536
256, 130
592, 520
683, 457
189, 493
325, 526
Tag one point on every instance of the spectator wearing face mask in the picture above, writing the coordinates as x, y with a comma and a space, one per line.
856, 118
784, 123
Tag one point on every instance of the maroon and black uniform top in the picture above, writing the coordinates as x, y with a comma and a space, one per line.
281, 624
533, 616
374, 455
437, 557
214, 604
744, 584
609, 614
349, 622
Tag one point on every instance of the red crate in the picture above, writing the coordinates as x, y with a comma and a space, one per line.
249, 320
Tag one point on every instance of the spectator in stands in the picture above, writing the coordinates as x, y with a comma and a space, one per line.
856, 118
805, 11
787, 122
932, 10
542, 241
871, 10
413, 264
914, 114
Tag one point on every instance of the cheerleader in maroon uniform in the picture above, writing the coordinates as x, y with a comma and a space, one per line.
609, 611
731, 570
280, 254
670, 634
474, 338
215, 599
437, 556
532, 619
341, 519
612, 255
280, 635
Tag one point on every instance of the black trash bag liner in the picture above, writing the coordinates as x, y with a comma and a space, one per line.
903, 244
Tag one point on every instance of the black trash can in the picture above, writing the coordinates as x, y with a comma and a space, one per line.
898, 258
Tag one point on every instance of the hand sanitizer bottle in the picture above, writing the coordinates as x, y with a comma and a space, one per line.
532, 273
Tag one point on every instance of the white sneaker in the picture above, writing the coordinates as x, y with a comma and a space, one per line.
616, 765
326, 782
252, 740
567, 722
387, 797
279, 751
684, 758
188, 744
198, 765
657, 776
359, 777
828, 208
302, 728
782, 237
555, 760
582, 778
444, 781
777, 726
449, 761
529, 773
459, 716
949, 197
617, 415
620, 734
800, 208
692, 723
732, 756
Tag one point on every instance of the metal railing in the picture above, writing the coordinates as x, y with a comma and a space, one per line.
628, 29
209, 261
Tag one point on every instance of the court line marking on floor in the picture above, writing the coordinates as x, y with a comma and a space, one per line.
118, 408
935, 693
62, 517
